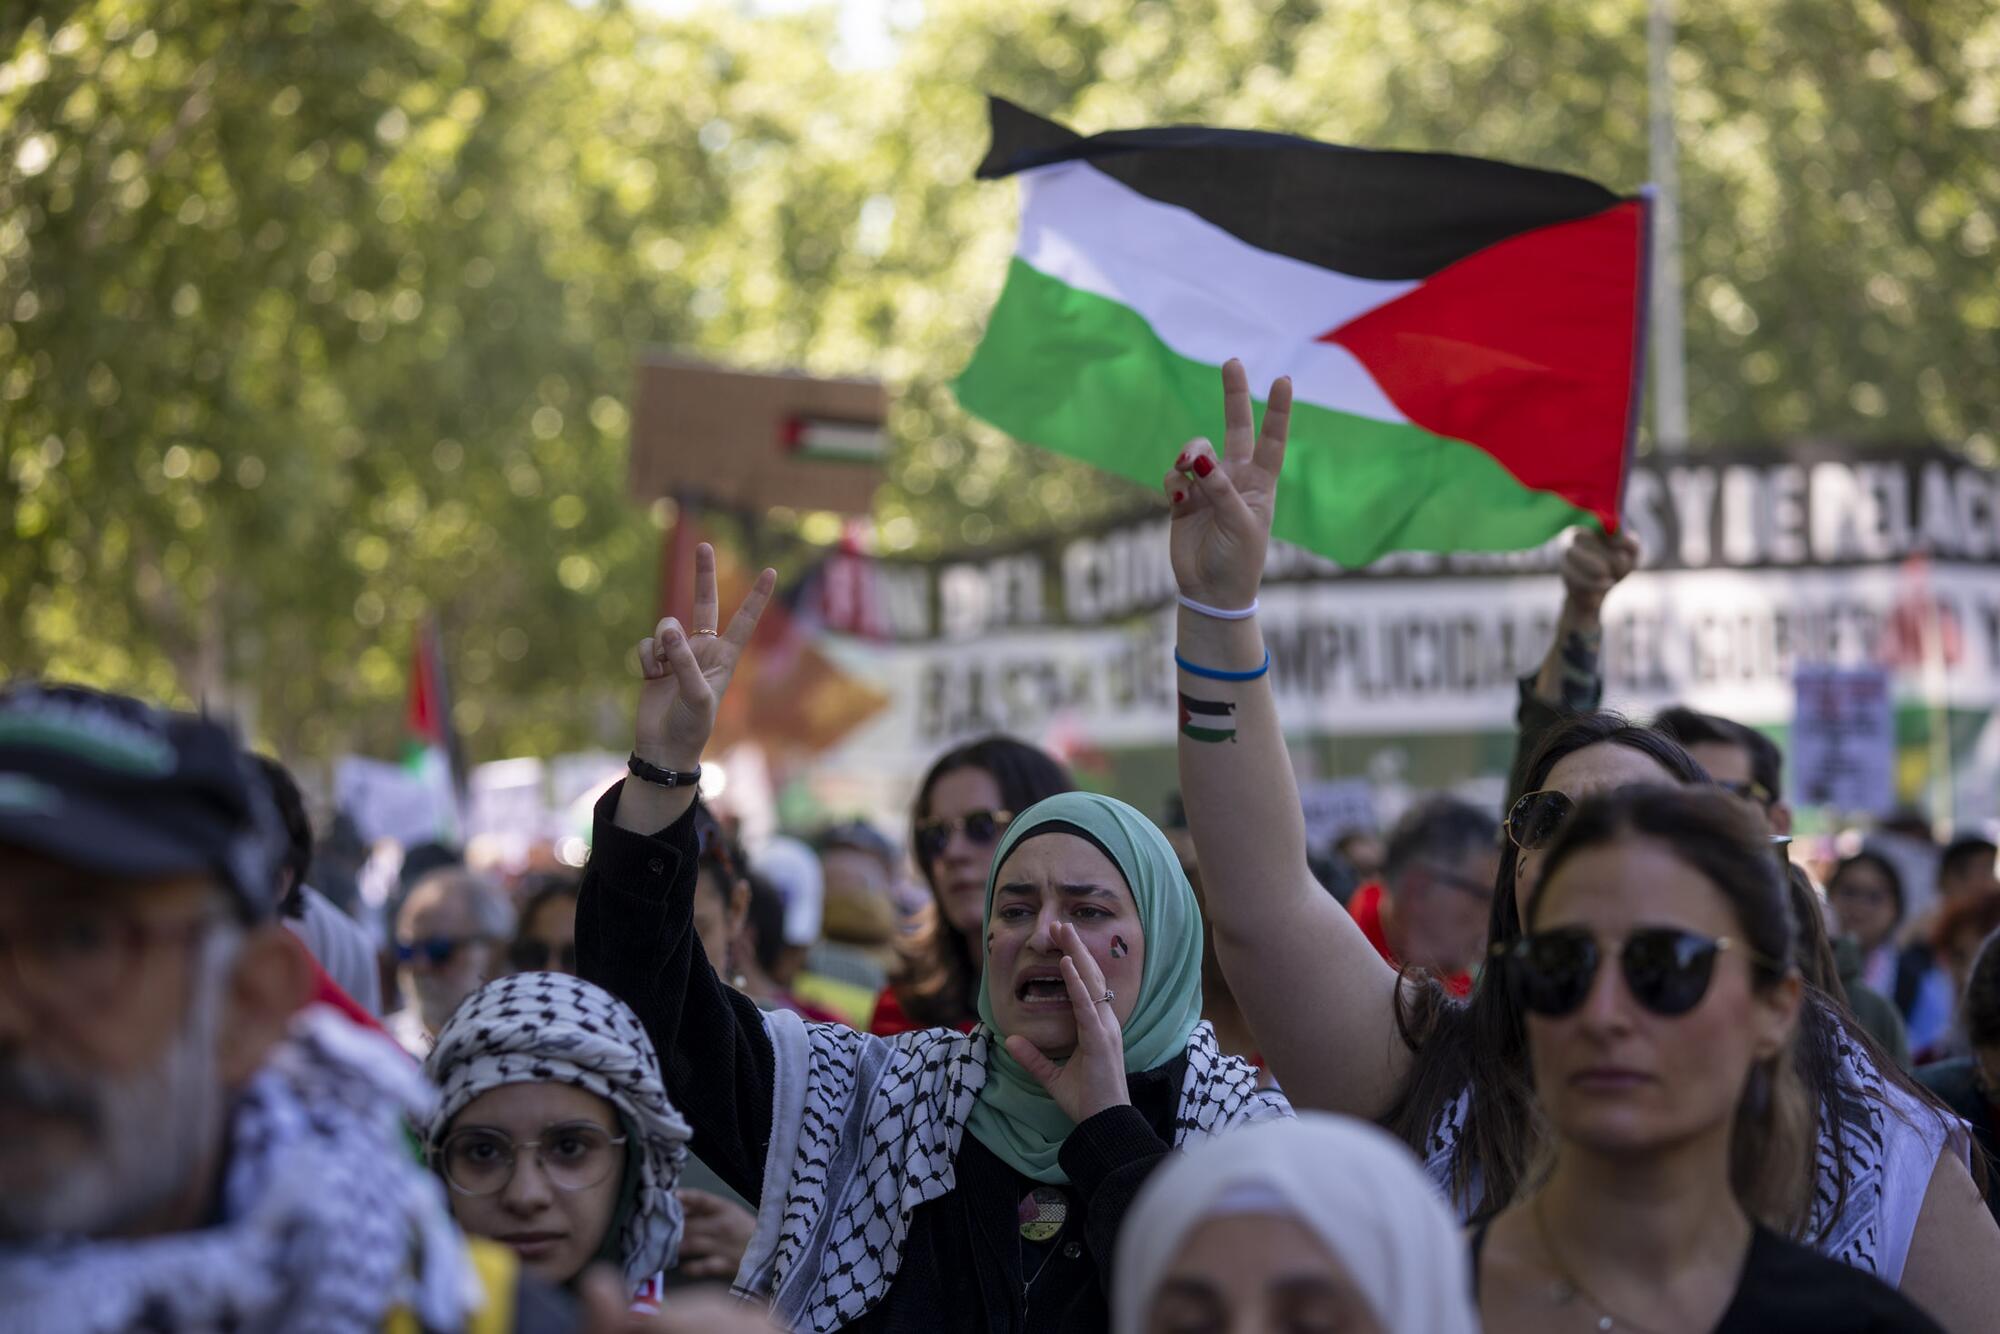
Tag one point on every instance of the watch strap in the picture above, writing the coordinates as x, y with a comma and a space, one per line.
658, 777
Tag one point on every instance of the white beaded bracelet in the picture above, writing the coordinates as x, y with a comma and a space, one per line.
1202, 608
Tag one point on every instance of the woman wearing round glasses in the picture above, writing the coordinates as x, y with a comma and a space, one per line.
1344, 1032
553, 1131
964, 804
1662, 1007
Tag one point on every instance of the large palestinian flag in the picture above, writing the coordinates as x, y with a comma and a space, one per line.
1463, 336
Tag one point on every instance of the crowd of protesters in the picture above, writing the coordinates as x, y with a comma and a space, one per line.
1608, 1058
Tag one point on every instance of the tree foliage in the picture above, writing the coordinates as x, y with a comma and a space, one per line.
319, 315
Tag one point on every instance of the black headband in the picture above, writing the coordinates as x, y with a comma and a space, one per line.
1065, 827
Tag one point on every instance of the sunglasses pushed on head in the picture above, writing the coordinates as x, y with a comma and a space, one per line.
1539, 816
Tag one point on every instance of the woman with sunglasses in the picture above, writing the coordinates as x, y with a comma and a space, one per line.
546, 939
963, 806
1343, 1031
554, 1134
936, 1180
1662, 1005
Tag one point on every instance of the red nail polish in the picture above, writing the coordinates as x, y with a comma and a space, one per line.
1203, 466
1179, 496
1181, 462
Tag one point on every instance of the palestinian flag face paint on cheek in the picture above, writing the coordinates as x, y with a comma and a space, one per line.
1207, 720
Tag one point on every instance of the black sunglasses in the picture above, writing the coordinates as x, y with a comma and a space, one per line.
1537, 817
1667, 970
434, 950
982, 827
533, 956
1753, 792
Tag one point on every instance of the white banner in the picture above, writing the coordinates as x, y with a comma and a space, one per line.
1416, 656
394, 801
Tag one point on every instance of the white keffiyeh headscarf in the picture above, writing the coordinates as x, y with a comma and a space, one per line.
552, 1028
327, 1222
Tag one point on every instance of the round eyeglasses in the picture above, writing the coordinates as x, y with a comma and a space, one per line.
574, 1156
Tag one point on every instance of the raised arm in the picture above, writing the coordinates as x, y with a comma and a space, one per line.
1319, 999
635, 917
1571, 678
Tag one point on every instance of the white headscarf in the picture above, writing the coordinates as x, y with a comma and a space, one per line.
1351, 1185
551, 1028
794, 871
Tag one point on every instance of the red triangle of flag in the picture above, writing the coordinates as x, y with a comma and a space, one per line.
1528, 349
424, 714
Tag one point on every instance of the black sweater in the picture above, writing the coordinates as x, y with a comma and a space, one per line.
964, 1259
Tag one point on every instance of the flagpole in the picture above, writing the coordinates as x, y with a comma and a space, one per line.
1670, 414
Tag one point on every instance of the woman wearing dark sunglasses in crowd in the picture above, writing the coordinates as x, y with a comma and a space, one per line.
1342, 1031
1662, 1005
545, 942
964, 805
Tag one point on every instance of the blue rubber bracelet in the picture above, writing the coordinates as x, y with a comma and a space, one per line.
1209, 673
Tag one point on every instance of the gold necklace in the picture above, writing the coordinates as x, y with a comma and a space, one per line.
1569, 1287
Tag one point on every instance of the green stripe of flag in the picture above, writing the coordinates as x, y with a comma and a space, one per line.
1208, 734
1086, 376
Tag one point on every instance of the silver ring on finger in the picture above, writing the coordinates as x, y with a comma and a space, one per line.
1107, 997
703, 634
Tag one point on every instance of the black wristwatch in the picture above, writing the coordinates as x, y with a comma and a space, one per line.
658, 777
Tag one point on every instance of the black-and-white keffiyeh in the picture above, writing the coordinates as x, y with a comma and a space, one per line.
328, 1222
551, 1028
1889, 1142
865, 1129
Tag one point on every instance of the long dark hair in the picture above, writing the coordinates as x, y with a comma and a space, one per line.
1771, 1148
1817, 964
1882, 866
1482, 1044
1479, 1048
1982, 996
939, 984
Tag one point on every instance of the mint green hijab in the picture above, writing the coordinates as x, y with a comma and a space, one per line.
1014, 1116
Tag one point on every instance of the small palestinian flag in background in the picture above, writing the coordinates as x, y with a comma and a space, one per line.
432, 752
1463, 336
1207, 720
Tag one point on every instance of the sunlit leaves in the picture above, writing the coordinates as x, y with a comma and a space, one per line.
319, 317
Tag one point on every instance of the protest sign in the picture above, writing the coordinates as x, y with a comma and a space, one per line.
1843, 743
409, 805
1333, 807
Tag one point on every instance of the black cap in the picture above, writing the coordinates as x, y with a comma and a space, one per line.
111, 785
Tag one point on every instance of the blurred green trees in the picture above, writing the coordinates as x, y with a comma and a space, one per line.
318, 315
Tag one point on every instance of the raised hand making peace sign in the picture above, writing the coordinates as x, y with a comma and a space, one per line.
686, 671
1222, 507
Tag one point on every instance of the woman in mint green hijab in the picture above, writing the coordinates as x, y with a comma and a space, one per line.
936, 1179
1093, 973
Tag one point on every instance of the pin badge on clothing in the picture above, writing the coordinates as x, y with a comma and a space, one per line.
1043, 1211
